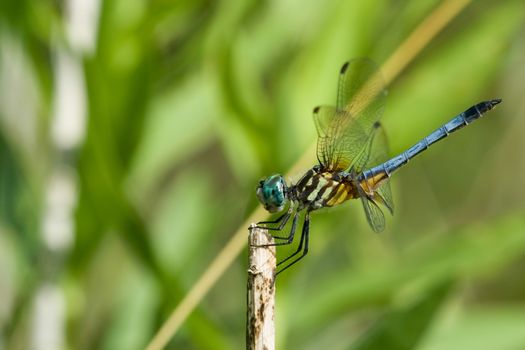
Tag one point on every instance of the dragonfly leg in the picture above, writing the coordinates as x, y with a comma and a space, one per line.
289, 238
283, 219
305, 236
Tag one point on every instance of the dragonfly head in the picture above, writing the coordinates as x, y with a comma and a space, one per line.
271, 192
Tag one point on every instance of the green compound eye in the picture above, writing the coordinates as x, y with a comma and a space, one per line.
271, 192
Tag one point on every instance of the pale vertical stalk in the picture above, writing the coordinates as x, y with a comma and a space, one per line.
260, 326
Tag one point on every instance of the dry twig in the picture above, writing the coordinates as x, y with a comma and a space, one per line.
260, 326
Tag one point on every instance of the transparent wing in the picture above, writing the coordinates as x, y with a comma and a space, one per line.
343, 131
375, 153
362, 92
374, 215
385, 196
337, 142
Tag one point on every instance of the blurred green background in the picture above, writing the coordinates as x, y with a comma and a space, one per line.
133, 133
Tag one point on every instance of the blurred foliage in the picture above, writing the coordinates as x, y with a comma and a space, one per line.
189, 103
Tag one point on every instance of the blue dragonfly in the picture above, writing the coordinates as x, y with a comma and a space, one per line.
352, 156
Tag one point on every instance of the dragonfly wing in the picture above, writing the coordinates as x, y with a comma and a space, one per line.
385, 194
362, 92
364, 157
378, 155
339, 138
344, 130
323, 117
374, 153
374, 215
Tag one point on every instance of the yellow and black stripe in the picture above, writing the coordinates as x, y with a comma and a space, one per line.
321, 190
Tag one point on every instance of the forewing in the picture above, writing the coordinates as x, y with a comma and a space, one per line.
362, 92
339, 138
344, 131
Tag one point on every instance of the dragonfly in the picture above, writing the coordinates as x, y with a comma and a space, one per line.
352, 156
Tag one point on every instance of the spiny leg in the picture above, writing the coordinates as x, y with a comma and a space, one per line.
288, 239
276, 220
299, 249
283, 219
305, 236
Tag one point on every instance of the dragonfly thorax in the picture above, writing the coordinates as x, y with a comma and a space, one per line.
319, 188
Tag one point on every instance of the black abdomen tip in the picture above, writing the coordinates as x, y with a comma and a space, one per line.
483, 107
495, 101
